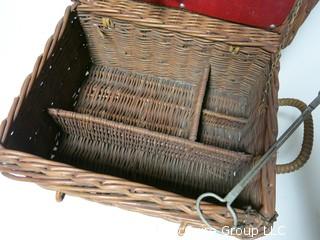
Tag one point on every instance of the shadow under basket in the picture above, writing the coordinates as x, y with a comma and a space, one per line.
140, 116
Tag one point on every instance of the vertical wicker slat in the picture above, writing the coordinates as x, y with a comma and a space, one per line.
198, 105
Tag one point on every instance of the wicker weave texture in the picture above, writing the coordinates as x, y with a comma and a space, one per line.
240, 102
175, 20
233, 115
120, 192
150, 157
144, 101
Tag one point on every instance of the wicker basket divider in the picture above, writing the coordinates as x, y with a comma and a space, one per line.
103, 145
159, 104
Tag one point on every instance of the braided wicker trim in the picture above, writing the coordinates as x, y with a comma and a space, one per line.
307, 144
290, 27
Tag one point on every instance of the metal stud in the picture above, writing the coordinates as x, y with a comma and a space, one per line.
272, 26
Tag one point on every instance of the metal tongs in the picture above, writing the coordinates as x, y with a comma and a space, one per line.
235, 192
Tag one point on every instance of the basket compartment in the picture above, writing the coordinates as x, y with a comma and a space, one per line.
222, 130
235, 86
164, 161
234, 133
141, 100
161, 105
237, 81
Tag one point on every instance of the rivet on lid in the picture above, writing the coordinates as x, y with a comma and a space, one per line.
272, 26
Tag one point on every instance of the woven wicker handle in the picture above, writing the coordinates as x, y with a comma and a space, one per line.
307, 144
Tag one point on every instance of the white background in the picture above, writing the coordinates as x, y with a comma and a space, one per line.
28, 212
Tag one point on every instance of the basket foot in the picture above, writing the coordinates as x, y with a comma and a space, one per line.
60, 196
182, 229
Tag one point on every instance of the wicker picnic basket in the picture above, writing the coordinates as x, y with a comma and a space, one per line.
145, 107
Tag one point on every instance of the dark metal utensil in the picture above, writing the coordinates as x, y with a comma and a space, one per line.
235, 192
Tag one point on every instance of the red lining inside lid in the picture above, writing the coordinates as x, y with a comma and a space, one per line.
258, 13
